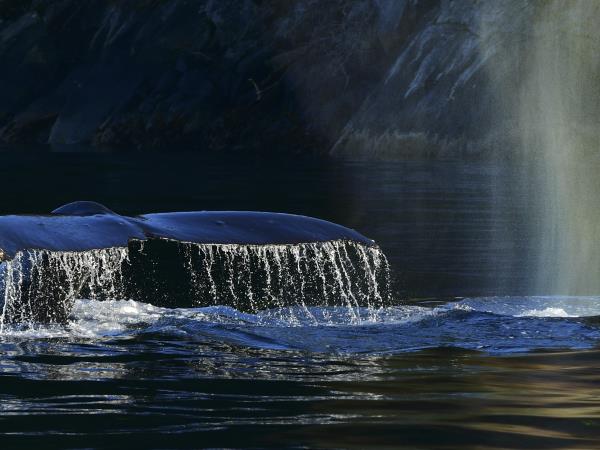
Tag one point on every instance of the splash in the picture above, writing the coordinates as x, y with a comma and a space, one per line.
42, 286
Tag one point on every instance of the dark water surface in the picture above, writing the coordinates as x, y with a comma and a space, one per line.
468, 357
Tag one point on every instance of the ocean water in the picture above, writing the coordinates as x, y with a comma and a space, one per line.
467, 355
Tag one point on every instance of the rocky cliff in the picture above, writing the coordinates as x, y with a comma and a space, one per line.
355, 78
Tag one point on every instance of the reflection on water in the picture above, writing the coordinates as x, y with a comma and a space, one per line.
179, 393
509, 371
440, 399
445, 376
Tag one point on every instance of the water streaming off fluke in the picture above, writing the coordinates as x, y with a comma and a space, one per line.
41, 286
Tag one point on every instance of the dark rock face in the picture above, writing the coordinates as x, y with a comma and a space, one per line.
215, 74
350, 77
450, 90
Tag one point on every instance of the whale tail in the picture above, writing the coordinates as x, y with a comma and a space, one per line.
248, 260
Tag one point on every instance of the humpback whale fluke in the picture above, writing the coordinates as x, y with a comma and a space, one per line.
81, 226
250, 260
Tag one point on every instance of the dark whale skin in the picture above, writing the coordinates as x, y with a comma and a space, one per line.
81, 226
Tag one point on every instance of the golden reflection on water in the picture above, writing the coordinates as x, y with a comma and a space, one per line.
549, 400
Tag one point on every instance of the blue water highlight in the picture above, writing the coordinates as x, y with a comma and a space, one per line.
496, 325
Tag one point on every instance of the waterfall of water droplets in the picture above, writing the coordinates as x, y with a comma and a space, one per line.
254, 278
41, 286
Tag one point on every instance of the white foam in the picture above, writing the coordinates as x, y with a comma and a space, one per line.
535, 306
546, 312
96, 319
